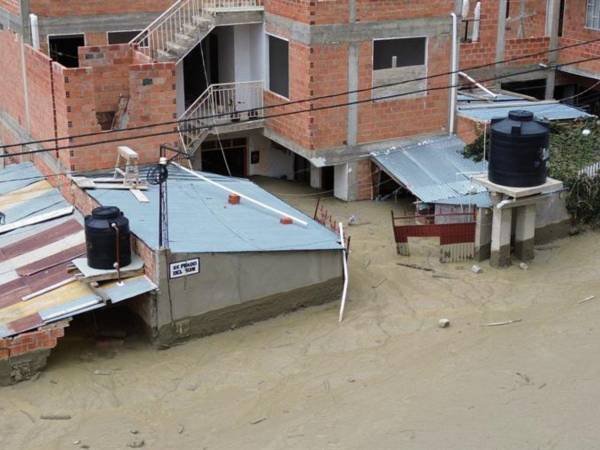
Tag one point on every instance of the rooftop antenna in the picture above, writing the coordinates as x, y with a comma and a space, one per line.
158, 175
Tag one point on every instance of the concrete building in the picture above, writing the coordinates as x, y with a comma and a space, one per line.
225, 263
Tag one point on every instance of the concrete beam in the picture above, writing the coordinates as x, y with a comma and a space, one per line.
360, 31
94, 24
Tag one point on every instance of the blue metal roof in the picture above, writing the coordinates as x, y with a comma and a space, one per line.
542, 110
434, 170
202, 221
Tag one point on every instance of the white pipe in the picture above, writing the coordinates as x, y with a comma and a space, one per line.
454, 77
35, 31
466, 7
245, 197
346, 277
478, 84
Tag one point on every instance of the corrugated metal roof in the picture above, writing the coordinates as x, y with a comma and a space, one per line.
434, 170
35, 286
202, 221
544, 110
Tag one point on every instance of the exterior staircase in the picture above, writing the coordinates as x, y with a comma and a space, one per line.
181, 27
225, 107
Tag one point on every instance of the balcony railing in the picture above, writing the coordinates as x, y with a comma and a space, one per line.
222, 104
180, 25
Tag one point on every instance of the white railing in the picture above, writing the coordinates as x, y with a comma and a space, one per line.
222, 104
166, 27
591, 171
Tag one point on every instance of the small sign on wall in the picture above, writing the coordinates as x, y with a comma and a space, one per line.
184, 268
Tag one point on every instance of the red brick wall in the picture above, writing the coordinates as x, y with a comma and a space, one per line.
54, 8
468, 130
575, 32
484, 51
11, 82
43, 339
404, 116
317, 12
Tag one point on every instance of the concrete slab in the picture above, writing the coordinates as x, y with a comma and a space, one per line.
91, 274
551, 185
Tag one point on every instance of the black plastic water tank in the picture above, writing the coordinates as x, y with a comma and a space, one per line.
519, 150
101, 238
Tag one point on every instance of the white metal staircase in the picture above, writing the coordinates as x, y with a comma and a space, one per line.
181, 27
227, 107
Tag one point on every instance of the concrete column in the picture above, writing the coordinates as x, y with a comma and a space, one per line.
345, 181
501, 231
525, 232
316, 177
501, 32
483, 234
554, 12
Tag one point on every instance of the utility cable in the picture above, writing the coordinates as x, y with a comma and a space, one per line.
285, 114
313, 99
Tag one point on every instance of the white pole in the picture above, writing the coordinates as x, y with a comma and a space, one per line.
476, 23
35, 31
454, 77
245, 197
346, 277
466, 7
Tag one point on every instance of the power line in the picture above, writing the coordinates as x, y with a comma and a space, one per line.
285, 114
313, 99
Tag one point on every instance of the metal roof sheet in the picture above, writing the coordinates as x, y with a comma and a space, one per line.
35, 286
202, 221
434, 170
544, 110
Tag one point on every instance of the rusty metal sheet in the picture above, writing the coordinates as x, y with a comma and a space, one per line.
26, 323
12, 292
52, 261
48, 236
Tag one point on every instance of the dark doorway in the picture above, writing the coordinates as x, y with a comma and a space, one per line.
201, 63
235, 152
63, 49
327, 178
532, 88
301, 169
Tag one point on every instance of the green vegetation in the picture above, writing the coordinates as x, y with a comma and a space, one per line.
573, 146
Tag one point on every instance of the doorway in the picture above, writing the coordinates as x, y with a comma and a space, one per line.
235, 151
63, 49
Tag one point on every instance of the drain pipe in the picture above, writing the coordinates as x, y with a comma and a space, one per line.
454, 77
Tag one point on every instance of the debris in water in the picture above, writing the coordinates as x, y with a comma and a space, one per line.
180, 429
476, 269
55, 417
443, 323
523, 266
136, 444
257, 421
587, 299
497, 324
352, 220
415, 266
134, 431
76, 442
102, 372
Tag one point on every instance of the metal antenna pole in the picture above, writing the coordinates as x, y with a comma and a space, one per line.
163, 219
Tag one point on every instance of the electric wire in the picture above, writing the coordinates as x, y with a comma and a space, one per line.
323, 97
285, 114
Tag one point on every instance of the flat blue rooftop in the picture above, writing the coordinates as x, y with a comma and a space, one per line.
202, 221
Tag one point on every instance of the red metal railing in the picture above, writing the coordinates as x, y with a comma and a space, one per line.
457, 228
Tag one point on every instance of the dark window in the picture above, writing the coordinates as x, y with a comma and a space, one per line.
121, 37
405, 52
279, 73
507, 9
561, 18
63, 49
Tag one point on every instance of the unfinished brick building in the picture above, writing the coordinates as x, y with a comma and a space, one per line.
86, 67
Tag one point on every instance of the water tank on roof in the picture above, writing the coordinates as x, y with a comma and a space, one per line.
108, 239
519, 150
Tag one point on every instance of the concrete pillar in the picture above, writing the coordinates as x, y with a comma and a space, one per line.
345, 185
501, 231
316, 177
483, 234
554, 19
525, 232
501, 31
